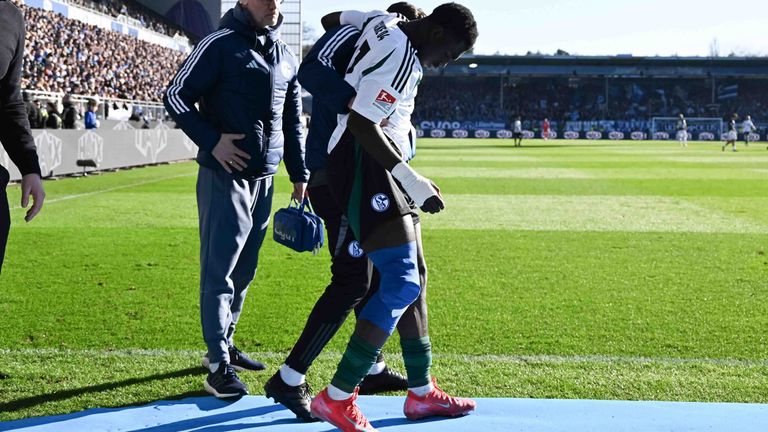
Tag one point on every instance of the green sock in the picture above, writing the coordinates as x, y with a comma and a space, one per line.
355, 364
417, 356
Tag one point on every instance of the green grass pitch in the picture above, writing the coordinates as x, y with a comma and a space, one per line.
562, 269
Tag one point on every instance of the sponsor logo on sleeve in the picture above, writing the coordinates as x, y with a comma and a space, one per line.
384, 101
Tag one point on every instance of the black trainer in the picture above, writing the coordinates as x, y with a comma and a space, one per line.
239, 361
295, 398
224, 383
386, 381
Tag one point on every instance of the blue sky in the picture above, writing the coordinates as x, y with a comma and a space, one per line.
599, 27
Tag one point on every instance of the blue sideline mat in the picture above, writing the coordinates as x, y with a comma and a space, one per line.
256, 413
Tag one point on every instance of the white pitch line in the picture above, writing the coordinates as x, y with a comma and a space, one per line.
464, 358
69, 197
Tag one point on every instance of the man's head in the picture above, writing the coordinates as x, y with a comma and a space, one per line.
447, 32
681, 115
264, 13
409, 11
749, 117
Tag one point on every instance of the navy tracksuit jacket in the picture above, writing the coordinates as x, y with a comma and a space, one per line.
241, 92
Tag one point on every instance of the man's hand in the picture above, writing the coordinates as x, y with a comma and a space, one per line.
32, 185
228, 155
299, 191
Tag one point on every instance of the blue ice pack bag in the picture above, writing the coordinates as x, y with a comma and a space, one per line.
298, 227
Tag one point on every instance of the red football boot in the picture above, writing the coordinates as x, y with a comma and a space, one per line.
436, 403
343, 414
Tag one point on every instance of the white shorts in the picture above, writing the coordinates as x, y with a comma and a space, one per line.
731, 136
682, 135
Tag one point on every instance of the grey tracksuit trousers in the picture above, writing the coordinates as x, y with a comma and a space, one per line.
234, 214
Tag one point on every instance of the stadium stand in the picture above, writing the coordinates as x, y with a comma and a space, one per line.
605, 94
480, 98
133, 11
599, 93
68, 56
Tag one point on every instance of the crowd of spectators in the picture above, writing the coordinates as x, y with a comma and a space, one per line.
68, 56
494, 99
115, 8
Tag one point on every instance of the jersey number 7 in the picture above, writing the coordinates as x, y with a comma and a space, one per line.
364, 49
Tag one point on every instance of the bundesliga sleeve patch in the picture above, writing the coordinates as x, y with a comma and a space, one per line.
384, 101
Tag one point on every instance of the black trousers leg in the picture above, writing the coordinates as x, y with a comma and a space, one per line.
350, 279
5, 215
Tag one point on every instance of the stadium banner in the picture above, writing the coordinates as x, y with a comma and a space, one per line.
754, 137
460, 133
59, 150
439, 125
528, 134
419, 133
706, 136
467, 125
437, 133
638, 136
571, 135
660, 136
626, 126
551, 135
616, 135
482, 133
505, 134
594, 135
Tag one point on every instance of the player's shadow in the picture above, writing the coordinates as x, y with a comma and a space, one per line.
208, 423
398, 421
212, 423
28, 402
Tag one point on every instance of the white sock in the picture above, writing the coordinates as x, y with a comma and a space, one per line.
290, 376
213, 367
377, 368
337, 394
423, 390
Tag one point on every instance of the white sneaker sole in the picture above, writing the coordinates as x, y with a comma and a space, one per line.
213, 391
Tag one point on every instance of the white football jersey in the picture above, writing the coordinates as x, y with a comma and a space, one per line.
518, 126
385, 72
748, 126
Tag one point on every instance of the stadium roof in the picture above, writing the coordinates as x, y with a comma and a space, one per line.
623, 66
